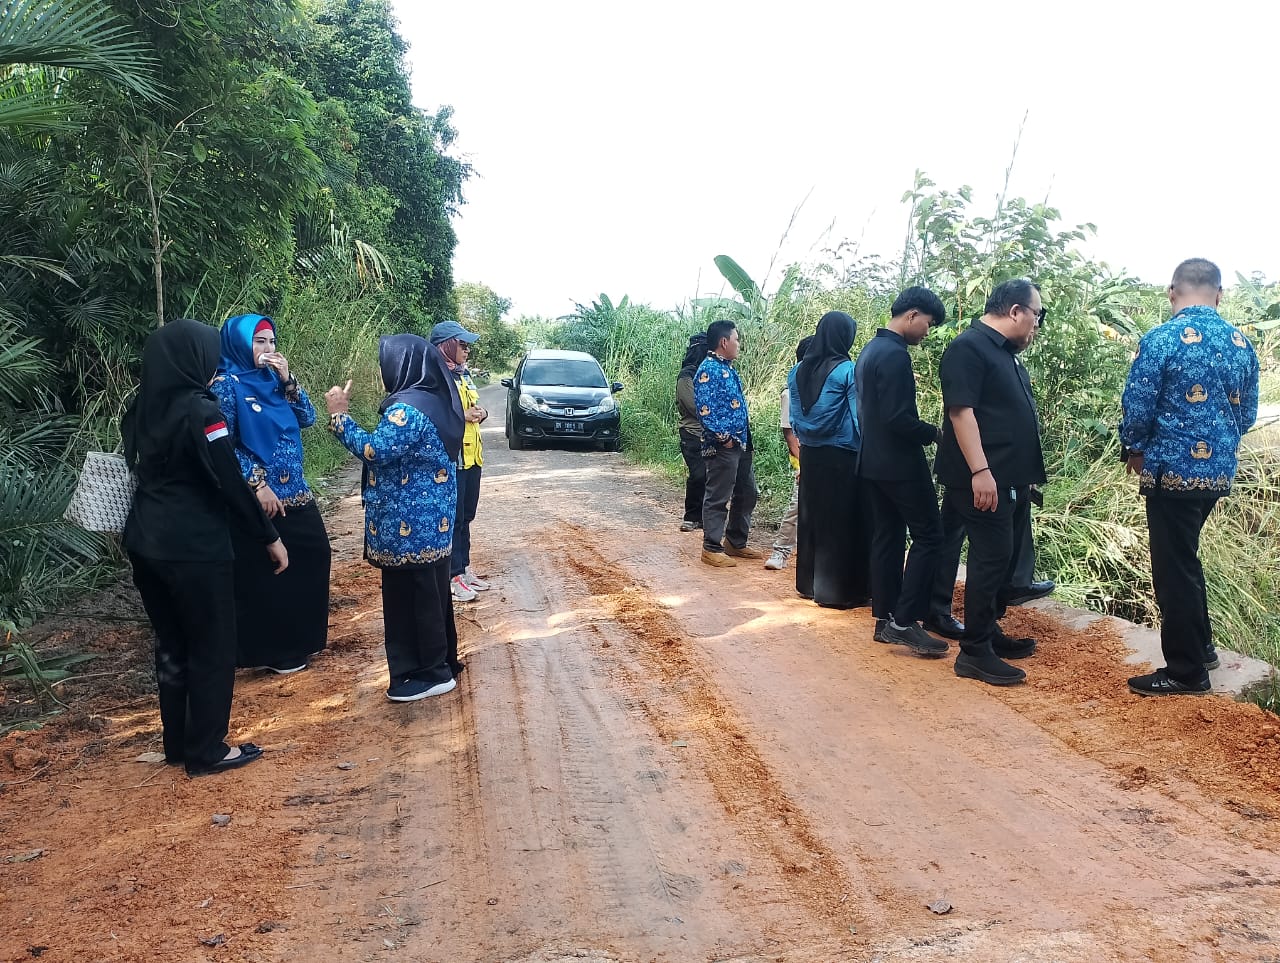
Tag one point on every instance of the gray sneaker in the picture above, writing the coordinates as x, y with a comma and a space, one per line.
776, 561
914, 638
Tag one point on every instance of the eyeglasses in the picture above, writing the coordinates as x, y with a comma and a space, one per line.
1039, 316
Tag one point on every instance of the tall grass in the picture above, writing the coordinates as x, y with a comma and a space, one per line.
1091, 534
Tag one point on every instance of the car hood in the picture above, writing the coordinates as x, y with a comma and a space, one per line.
563, 395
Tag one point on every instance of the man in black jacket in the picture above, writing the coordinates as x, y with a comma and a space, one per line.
896, 475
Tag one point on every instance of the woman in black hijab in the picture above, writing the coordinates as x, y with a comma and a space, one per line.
410, 495
179, 541
695, 485
833, 543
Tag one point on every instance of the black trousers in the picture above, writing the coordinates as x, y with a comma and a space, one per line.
695, 485
1022, 568
192, 609
463, 515
1174, 525
418, 631
729, 500
991, 541
896, 508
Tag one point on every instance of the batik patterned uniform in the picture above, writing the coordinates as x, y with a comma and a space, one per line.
721, 405
410, 489
284, 473
1192, 392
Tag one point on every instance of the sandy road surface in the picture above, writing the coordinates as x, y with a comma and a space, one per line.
647, 759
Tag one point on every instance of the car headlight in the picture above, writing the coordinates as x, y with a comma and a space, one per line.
527, 403
607, 403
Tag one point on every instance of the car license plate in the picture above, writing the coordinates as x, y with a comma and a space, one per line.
572, 427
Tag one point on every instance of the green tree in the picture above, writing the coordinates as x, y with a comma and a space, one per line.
482, 311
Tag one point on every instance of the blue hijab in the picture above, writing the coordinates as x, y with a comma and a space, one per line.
263, 415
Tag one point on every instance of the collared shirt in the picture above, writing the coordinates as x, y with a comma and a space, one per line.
893, 434
980, 370
721, 405
1192, 391
832, 421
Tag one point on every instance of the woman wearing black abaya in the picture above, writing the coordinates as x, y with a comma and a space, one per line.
179, 541
833, 545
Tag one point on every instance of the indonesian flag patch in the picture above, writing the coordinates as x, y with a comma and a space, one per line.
215, 431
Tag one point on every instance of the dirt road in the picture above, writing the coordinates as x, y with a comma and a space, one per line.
648, 759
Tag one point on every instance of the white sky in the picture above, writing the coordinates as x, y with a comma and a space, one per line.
619, 148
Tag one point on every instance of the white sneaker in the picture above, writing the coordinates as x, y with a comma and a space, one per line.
776, 561
462, 592
475, 581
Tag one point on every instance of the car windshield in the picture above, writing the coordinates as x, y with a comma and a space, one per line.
566, 372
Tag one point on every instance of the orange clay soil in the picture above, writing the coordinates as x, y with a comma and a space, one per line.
646, 759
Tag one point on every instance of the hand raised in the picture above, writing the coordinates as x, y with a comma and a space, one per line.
337, 399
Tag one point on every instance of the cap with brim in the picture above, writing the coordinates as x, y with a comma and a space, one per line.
446, 330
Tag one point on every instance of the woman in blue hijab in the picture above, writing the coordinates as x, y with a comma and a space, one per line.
410, 497
284, 620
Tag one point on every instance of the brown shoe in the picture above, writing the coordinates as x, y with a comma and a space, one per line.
745, 552
717, 559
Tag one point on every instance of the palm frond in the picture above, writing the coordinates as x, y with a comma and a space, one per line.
77, 35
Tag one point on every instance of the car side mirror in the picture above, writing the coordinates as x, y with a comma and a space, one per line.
506, 383
616, 387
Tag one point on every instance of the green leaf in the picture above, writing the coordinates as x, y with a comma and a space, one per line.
738, 279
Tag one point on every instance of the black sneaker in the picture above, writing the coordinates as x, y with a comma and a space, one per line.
1007, 647
411, 690
914, 638
989, 669
878, 634
1211, 660
1159, 683
944, 625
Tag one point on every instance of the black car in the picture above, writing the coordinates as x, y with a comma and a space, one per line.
561, 396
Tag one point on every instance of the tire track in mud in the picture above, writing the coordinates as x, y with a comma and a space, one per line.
747, 789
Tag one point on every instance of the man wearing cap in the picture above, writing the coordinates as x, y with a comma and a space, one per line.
454, 343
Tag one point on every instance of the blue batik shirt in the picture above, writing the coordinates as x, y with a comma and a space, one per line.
283, 475
410, 487
721, 405
1192, 392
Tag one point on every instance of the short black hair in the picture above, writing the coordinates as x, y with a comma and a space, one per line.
717, 331
1196, 272
922, 300
1008, 293
803, 346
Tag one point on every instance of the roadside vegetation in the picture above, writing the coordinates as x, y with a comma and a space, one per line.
167, 160
1091, 532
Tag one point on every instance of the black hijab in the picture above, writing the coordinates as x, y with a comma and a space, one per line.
829, 348
167, 414
695, 354
415, 374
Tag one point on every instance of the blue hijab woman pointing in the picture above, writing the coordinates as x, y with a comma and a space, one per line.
281, 621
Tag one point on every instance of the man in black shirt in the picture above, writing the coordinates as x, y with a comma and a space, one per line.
896, 475
989, 458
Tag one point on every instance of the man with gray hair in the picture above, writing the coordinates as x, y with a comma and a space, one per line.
1192, 392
